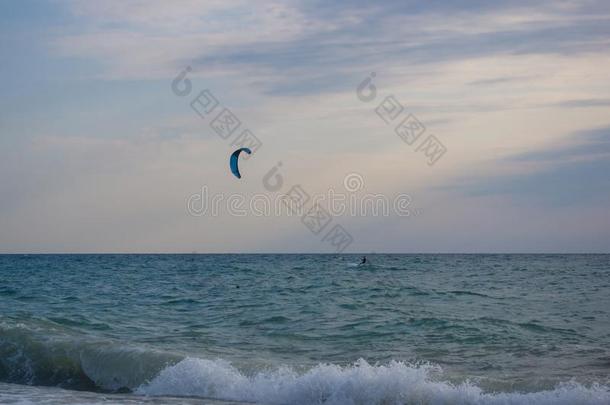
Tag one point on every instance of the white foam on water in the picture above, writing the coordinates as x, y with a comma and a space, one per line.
361, 383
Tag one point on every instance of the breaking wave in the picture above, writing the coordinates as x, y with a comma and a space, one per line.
48, 356
360, 383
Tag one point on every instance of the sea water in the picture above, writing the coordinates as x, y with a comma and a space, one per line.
305, 329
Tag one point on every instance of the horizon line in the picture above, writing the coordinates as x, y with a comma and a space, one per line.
301, 253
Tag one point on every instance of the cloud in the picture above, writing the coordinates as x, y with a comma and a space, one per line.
573, 172
589, 145
496, 80
591, 102
297, 48
112, 152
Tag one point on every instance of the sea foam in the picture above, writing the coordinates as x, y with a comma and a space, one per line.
360, 383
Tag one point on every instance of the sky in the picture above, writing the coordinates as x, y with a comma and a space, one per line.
101, 149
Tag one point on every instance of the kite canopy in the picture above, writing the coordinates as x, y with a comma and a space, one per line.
233, 161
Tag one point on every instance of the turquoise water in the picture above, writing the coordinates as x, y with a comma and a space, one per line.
303, 329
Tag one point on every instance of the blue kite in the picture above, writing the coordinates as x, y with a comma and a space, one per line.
233, 161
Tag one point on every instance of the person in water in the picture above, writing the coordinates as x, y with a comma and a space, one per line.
363, 260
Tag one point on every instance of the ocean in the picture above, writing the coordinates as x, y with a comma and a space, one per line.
305, 329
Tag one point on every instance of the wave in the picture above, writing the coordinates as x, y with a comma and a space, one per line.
475, 294
45, 353
361, 383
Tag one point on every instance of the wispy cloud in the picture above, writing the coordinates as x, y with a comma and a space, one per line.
574, 171
512, 89
497, 80
288, 45
591, 102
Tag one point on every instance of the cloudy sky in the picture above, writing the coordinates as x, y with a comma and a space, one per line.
99, 154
